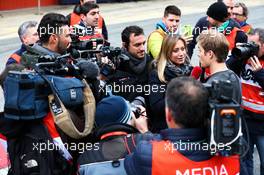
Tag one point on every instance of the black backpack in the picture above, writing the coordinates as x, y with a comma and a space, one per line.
27, 158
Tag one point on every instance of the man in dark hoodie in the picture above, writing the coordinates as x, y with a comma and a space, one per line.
132, 73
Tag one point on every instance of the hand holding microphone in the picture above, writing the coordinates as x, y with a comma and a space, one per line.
196, 72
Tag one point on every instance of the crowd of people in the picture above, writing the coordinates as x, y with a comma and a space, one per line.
75, 105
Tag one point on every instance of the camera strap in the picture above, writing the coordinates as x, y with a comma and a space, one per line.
63, 116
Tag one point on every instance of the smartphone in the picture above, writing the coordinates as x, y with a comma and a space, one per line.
187, 30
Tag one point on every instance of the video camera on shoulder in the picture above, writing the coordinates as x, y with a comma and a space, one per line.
225, 127
245, 50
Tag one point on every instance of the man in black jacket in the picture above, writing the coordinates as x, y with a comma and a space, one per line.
217, 15
131, 75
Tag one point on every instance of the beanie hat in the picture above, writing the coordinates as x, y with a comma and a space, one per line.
218, 11
112, 109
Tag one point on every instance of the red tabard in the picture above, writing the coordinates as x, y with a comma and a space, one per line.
171, 162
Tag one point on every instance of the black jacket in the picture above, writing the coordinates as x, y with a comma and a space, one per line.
203, 24
157, 97
128, 83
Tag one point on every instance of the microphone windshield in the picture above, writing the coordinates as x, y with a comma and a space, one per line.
88, 69
196, 72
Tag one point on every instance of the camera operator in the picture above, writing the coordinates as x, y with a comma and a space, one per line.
116, 135
54, 39
213, 51
186, 115
248, 64
133, 69
74, 18
85, 30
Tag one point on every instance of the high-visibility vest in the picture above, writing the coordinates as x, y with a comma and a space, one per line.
252, 93
16, 57
247, 28
75, 19
4, 160
99, 28
167, 161
231, 37
89, 37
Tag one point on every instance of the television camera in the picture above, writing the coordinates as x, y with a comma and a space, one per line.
225, 123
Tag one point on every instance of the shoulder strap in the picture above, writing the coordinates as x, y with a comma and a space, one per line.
130, 143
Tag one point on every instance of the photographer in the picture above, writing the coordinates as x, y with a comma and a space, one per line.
247, 61
117, 137
213, 51
54, 38
134, 66
186, 113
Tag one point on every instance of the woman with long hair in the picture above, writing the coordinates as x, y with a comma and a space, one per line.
172, 62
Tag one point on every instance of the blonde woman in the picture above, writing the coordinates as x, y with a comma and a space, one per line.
172, 62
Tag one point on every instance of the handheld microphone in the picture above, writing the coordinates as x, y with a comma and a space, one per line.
196, 72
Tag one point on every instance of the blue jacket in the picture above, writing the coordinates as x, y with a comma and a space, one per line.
18, 52
140, 162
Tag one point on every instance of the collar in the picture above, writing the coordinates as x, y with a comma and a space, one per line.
23, 47
161, 25
223, 27
44, 50
243, 23
115, 133
183, 134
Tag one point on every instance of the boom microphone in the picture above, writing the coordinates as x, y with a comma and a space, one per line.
88, 69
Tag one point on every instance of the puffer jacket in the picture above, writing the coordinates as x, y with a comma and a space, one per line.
140, 162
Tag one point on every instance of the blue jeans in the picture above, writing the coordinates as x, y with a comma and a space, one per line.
257, 140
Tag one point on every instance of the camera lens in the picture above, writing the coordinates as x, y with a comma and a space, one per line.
241, 52
138, 101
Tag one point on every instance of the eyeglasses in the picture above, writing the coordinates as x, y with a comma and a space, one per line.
237, 14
